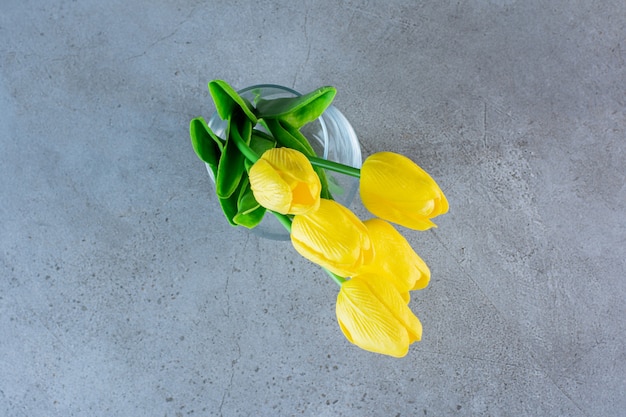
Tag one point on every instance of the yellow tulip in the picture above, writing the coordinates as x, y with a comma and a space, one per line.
395, 258
332, 237
283, 180
374, 315
396, 189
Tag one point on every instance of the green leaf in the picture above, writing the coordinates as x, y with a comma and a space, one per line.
261, 142
289, 137
238, 207
249, 211
229, 207
205, 143
248, 164
231, 164
247, 203
297, 111
250, 220
227, 100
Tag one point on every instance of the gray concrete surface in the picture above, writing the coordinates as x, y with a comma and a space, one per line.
123, 292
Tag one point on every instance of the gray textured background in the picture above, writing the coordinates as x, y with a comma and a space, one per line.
123, 292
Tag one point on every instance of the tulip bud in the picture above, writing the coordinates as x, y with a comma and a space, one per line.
283, 180
394, 188
373, 315
394, 258
332, 237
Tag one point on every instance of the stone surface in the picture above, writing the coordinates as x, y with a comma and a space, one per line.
124, 292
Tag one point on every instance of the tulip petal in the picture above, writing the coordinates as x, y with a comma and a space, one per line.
396, 189
333, 237
373, 315
290, 137
283, 180
270, 190
397, 304
304, 199
385, 175
442, 204
395, 258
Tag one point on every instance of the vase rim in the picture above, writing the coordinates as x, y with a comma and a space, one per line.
276, 86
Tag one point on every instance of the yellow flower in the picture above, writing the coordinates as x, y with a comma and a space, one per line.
395, 258
394, 188
332, 237
283, 180
374, 315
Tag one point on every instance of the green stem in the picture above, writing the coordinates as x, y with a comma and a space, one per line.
315, 161
243, 147
335, 166
338, 280
284, 220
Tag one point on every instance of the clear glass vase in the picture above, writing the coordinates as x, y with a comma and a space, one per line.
332, 138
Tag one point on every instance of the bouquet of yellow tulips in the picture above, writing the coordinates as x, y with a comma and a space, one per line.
266, 164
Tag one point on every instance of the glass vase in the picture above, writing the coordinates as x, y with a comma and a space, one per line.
331, 136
